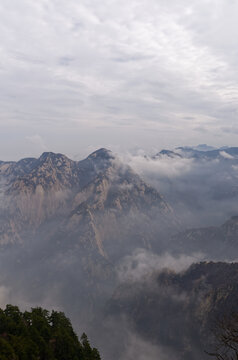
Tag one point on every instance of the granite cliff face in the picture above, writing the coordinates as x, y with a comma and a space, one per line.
98, 202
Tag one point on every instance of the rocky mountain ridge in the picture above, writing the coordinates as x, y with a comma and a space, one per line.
83, 197
198, 153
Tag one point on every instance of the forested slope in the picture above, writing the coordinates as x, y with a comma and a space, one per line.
41, 335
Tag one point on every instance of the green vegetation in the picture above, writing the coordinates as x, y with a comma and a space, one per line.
41, 335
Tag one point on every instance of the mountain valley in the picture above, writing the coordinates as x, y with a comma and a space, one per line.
74, 233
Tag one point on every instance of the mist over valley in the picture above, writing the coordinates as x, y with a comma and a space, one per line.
105, 240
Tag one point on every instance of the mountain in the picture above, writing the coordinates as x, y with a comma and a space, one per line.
204, 147
224, 153
201, 152
177, 311
93, 200
215, 241
65, 224
168, 153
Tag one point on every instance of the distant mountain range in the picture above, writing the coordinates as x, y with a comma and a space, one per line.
201, 152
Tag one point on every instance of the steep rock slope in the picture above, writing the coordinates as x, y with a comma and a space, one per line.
98, 202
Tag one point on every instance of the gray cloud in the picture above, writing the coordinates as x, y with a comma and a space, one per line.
38, 141
141, 263
139, 348
102, 69
203, 192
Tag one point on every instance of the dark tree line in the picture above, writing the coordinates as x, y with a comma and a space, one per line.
41, 335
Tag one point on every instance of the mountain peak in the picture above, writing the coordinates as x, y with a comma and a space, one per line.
53, 159
102, 154
50, 155
168, 153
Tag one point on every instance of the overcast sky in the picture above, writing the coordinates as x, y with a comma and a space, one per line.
78, 75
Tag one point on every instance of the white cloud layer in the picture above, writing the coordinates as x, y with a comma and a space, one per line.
141, 263
86, 73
